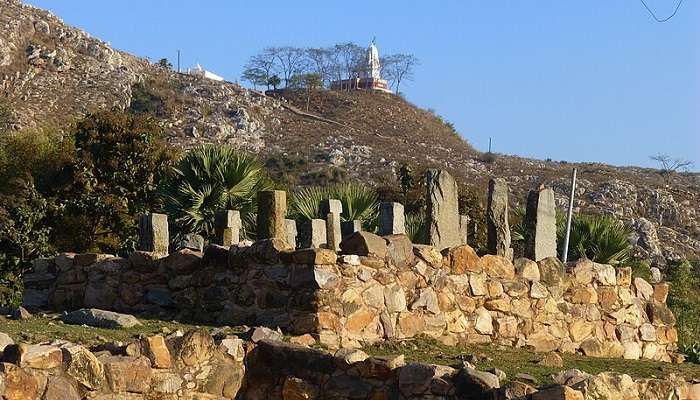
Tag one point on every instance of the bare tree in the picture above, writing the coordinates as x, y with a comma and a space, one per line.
399, 67
261, 67
670, 165
348, 57
291, 61
320, 62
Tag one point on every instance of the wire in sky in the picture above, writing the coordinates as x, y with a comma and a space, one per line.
662, 19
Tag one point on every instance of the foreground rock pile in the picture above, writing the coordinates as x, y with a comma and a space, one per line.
194, 365
377, 288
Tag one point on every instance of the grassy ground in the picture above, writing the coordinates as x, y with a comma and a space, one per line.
46, 327
513, 361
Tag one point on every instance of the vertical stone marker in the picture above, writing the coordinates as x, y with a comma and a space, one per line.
442, 209
272, 208
313, 234
227, 227
347, 228
497, 219
540, 225
332, 208
153, 233
464, 229
291, 229
391, 219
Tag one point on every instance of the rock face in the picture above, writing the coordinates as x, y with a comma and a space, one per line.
100, 318
540, 225
272, 209
442, 209
497, 219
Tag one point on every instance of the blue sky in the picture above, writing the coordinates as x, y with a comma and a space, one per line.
593, 80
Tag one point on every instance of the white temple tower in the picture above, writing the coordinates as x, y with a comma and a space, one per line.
369, 75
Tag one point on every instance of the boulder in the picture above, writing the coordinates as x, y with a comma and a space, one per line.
60, 388
497, 266
463, 259
527, 269
264, 333
5, 340
484, 322
191, 241
100, 318
364, 244
127, 374
551, 271
400, 250
659, 314
83, 366
37, 356
473, 382
195, 347
19, 384
552, 360
157, 351
644, 289
20, 313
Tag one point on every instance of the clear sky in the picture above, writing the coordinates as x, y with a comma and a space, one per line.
594, 80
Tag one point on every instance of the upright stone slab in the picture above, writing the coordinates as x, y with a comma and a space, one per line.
272, 208
291, 227
442, 210
464, 229
332, 208
227, 227
333, 234
497, 219
153, 233
347, 228
540, 225
313, 234
391, 219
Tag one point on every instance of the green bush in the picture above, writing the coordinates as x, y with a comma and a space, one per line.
210, 178
359, 203
684, 301
600, 238
416, 227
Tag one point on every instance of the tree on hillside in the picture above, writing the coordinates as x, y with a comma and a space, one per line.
320, 62
348, 57
291, 61
670, 165
399, 67
164, 63
309, 82
261, 67
273, 81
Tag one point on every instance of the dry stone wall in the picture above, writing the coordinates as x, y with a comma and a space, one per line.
377, 288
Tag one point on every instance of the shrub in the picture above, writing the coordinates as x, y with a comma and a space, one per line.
600, 238
416, 227
684, 301
210, 178
119, 161
359, 203
488, 157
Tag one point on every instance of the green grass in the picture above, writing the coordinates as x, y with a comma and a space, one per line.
41, 328
513, 360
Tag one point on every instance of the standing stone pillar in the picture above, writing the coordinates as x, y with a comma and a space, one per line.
497, 219
464, 229
391, 219
347, 228
313, 234
442, 212
272, 208
332, 208
227, 227
540, 225
153, 233
291, 229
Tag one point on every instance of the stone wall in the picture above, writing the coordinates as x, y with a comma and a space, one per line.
377, 288
196, 366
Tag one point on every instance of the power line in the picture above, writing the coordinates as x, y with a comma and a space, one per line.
662, 19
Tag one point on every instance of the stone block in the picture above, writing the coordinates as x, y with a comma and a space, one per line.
227, 227
498, 228
272, 209
153, 233
497, 266
333, 234
540, 225
365, 244
347, 228
291, 232
331, 206
391, 219
463, 259
313, 233
442, 212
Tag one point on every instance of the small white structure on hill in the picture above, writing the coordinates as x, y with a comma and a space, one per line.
201, 72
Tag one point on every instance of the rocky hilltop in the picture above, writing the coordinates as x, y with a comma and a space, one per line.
51, 73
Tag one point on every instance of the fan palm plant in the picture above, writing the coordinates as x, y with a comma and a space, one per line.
416, 227
211, 178
359, 202
600, 238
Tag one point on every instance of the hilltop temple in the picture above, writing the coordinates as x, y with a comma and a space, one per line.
369, 77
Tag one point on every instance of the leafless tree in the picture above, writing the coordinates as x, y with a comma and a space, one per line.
261, 67
670, 165
399, 67
291, 61
348, 57
320, 62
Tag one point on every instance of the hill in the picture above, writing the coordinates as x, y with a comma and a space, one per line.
51, 73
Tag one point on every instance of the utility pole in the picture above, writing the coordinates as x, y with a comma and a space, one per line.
178, 61
489, 144
568, 216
